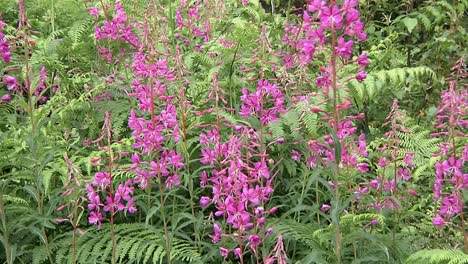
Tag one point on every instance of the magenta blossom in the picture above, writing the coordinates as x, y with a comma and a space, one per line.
224, 252
295, 155
345, 48
102, 179
11, 82
331, 17
5, 51
5, 98
95, 218
204, 201
361, 76
438, 221
325, 207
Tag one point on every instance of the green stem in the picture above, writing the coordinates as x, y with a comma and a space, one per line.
110, 168
164, 217
335, 121
6, 243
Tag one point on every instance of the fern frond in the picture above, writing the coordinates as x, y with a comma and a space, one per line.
438, 256
305, 233
353, 220
135, 243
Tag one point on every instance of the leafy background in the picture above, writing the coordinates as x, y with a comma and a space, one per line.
412, 45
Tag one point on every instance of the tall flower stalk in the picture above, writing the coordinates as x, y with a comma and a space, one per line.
450, 180
154, 124
119, 199
330, 30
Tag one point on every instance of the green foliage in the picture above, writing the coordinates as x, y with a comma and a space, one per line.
136, 243
412, 45
438, 256
411, 86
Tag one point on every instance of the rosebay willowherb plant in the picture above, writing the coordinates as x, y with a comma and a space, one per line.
451, 179
329, 30
155, 127
101, 193
240, 178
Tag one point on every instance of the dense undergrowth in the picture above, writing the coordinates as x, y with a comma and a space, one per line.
237, 131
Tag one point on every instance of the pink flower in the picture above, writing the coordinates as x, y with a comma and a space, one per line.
93, 11
11, 82
254, 241
465, 154
316, 5
361, 76
261, 170
362, 145
325, 207
408, 160
452, 166
208, 157
404, 174
204, 201
94, 199
451, 206
217, 234
383, 162
438, 221
142, 177
224, 252
5, 98
345, 48
295, 155
331, 17
179, 19
5, 52
363, 167
362, 59
113, 204
172, 181
374, 184
102, 179
95, 218
237, 252
125, 191
131, 206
